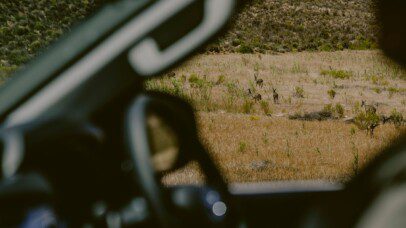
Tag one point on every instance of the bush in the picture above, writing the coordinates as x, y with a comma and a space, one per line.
247, 106
265, 107
393, 90
379, 80
336, 111
177, 87
220, 79
328, 108
299, 92
338, 74
331, 93
339, 110
245, 49
242, 147
197, 82
377, 90
396, 117
366, 120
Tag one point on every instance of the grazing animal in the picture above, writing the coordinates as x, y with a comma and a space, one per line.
171, 74
257, 97
385, 119
259, 81
368, 108
275, 96
371, 127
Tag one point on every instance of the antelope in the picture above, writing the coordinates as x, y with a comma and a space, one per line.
368, 108
385, 119
371, 127
171, 74
259, 81
275, 96
256, 97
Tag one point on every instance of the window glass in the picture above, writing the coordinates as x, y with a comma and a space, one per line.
295, 91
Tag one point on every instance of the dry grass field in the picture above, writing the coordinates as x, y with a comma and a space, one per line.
256, 141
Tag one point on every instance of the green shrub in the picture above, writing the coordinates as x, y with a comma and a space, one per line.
234, 90
177, 87
393, 90
338, 74
299, 92
265, 107
396, 117
378, 80
245, 49
298, 68
220, 79
362, 43
247, 106
377, 90
328, 108
242, 147
197, 82
364, 120
355, 163
331, 93
339, 110
352, 131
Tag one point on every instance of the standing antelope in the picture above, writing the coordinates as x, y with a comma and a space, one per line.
371, 127
171, 74
257, 97
368, 108
259, 81
275, 96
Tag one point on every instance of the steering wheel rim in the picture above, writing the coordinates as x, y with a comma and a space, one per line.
136, 139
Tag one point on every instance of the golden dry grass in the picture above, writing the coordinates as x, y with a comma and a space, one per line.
250, 146
282, 149
371, 72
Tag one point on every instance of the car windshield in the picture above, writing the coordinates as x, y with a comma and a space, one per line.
293, 91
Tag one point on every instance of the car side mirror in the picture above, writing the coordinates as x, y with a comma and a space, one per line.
163, 142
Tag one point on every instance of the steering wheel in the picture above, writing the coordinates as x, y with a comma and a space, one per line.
220, 209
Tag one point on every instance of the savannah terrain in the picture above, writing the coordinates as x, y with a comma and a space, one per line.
260, 140
318, 55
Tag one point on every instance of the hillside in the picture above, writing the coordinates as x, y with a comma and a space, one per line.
27, 26
295, 25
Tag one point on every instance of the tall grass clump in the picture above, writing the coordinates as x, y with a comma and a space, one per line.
331, 93
298, 92
265, 107
366, 121
339, 110
396, 117
247, 106
338, 74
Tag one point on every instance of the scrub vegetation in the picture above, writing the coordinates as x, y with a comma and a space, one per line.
310, 132
265, 26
